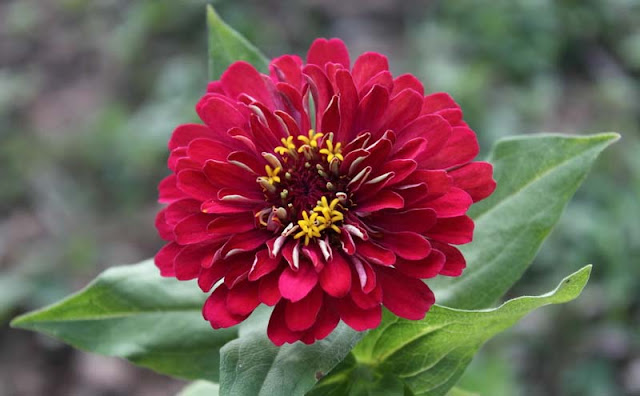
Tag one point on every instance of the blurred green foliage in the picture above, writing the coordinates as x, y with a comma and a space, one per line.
90, 92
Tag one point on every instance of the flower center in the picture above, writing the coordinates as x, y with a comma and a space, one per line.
303, 185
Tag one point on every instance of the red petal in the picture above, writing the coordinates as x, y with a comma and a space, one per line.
244, 242
401, 169
209, 276
238, 268
348, 103
347, 244
202, 150
455, 261
246, 161
215, 310
366, 274
403, 108
215, 206
455, 230
196, 184
461, 148
326, 321
302, 314
232, 224
184, 134
406, 297
168, 191
188, 263
193, 229
379, 151
366, 300
438, 101
431, 127
438, 182
375, 253
287, 68
385, 199
357, 318
242, 299
165, 230
164, 258
295, 285
219, 114
476, 179
323, 51
313, 253
330, 120
371, 109
367, 66
223, 174
335, 278
411, 149
408, 245
268, 291
382, 79
453, 117
179, 210
242, 78
263, 265
277, 329
405, 81
454, 203
412, 193
416, 220
423, 269
320, 87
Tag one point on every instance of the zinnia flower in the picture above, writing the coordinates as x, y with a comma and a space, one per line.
323, 189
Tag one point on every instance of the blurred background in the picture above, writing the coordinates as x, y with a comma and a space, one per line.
91, 91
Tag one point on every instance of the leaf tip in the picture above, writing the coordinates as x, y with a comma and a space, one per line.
212, 15
610, 137
20, 322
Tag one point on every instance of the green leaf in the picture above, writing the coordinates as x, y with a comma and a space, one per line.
133, 313
536, 175
430, 355
227, 46
200, 388
252, 365
460, 392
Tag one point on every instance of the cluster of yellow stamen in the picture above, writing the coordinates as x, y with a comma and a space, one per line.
323, 216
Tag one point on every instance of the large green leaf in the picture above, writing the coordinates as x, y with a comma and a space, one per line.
252, 365
200, 388
133, 313
430, 355
227, 46
536, 175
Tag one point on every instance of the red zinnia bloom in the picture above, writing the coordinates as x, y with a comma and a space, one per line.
322, 189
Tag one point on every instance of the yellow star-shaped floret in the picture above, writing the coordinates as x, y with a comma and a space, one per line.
272, 174
288, 146
309, 227
311, 141
329, 213
332, 151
